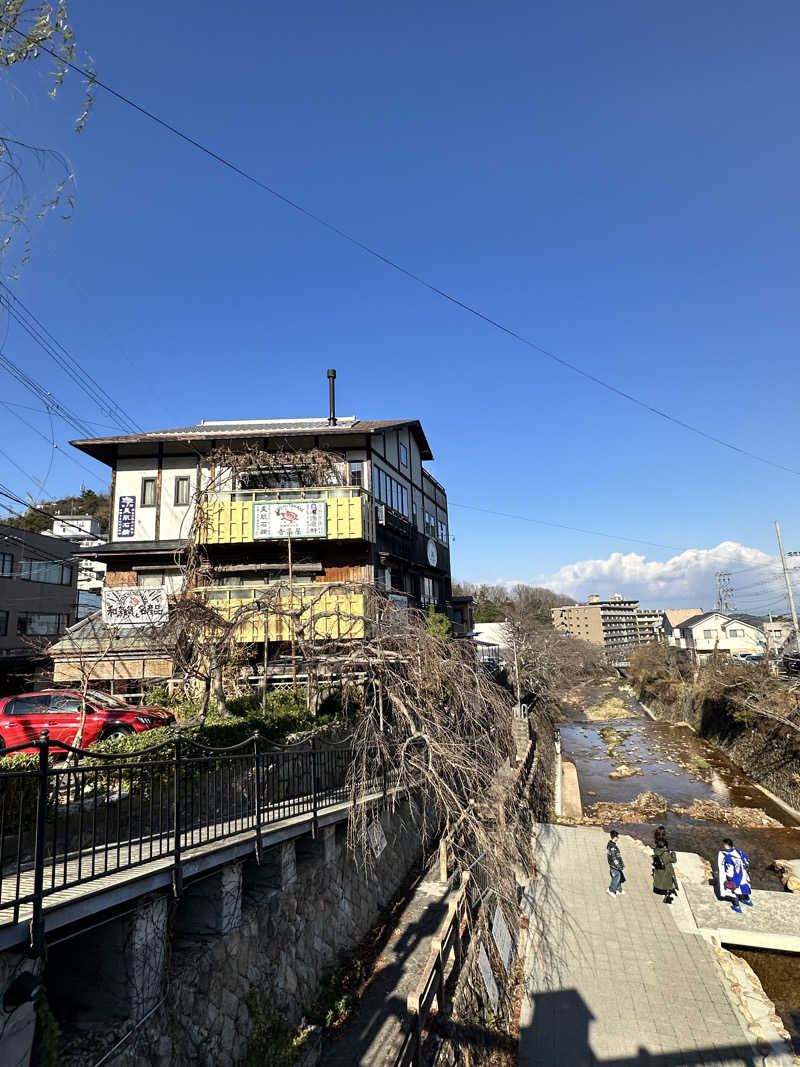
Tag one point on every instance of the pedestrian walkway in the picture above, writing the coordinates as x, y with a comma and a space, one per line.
617, 983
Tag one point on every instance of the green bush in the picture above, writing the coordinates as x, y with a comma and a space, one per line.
16, 793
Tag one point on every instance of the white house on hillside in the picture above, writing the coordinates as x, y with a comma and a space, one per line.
703, 634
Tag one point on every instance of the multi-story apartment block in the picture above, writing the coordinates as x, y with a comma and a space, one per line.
617, 624
381, 522
37, 599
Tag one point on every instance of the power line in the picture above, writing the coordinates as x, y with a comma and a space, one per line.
9, 495
562, 526
54, 446
406, 272
45, 395
59, 354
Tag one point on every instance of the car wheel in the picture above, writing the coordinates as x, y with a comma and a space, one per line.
114, 733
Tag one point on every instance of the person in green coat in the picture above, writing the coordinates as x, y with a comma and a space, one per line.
665, 881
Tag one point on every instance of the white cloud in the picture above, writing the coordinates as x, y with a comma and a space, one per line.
686, 580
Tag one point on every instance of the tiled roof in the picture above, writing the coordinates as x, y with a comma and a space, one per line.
102, 447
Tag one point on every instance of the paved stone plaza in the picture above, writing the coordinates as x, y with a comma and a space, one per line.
620, 985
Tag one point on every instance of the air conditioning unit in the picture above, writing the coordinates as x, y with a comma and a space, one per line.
380, 513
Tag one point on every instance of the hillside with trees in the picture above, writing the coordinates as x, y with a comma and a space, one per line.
39, 520
529, 604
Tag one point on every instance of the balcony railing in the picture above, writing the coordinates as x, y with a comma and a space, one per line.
315, 611
346, 514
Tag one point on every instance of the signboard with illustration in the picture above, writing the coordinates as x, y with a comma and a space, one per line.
289, 518
135, 606
126, 516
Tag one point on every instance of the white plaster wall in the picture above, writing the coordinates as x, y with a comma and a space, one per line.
129, 483
176, 522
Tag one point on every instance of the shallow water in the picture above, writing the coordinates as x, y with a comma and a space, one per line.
779, 974
666, 756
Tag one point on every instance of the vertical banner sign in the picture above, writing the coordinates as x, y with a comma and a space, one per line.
502, 938
126, 516
289, 518
377, 838
488, 978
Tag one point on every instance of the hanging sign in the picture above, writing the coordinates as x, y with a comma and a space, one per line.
502, 938
135, 606
488, 978
289, 518
126, 516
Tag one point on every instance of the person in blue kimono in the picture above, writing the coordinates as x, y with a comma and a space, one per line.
733, 868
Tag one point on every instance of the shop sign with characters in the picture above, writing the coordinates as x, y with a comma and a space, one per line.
289, 518
135, 606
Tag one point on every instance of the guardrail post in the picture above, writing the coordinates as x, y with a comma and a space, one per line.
37, 921
383, 776
257, 757
415, 1021
436, 947
177, 871
314, 827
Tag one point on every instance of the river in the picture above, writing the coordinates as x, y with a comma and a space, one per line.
681, 767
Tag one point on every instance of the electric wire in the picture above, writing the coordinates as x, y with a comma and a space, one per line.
405, 271
54, 446
50, 345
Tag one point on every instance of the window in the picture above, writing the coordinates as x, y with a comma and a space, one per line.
735, 633
65, 705
3, 623
181, 492
6, 564
355, 474
709, 634
429, 591
442, 531
390, 492
40, 570
40, 624
148, 492
172, 580
403, 456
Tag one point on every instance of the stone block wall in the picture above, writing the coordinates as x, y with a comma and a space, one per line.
308, 902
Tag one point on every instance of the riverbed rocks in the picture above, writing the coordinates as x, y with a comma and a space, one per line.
645, 807
789, 871
624, 771
735, 817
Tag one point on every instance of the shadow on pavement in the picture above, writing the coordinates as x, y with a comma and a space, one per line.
559, 1034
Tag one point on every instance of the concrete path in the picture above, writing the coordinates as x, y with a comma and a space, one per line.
773, 922
620, 984
372, 1038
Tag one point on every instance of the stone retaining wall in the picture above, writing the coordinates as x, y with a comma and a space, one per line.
254, 941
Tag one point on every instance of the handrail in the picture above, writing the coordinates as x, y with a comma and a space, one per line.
430, 986
71, 823
287, 493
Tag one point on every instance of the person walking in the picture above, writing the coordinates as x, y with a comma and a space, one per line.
733, 867
665, 880
616, 866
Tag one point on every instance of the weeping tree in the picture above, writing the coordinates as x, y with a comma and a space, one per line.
36, 180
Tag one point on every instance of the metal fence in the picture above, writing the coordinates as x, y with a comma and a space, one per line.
67, 823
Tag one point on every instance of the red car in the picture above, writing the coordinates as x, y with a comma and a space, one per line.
23, 717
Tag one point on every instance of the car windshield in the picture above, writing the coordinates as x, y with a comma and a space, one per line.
105, 700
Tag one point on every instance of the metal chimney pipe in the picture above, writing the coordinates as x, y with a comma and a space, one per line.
332, 397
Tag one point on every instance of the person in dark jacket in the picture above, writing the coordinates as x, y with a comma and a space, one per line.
616, 865
665, 880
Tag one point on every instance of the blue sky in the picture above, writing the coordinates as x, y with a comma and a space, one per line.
616, 182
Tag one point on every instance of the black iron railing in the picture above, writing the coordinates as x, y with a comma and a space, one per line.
80, 820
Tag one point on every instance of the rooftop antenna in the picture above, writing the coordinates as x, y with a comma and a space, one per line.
332, 396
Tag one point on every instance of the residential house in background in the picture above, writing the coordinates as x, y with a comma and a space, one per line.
382, 521
85, 531
779, 634
703, 635
38, 600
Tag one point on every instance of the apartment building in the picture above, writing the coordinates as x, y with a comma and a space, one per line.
85, 531
617, 624
38, 598
380, 521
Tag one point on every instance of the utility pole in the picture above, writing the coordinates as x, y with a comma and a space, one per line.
789, 592
722, 580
